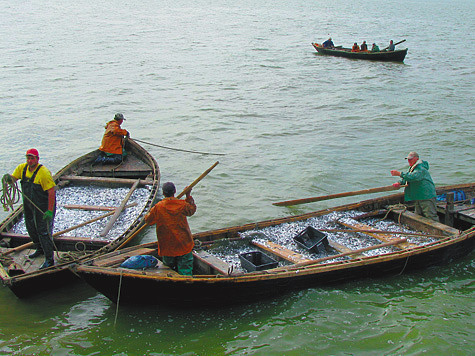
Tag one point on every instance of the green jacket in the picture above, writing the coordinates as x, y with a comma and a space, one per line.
419, 182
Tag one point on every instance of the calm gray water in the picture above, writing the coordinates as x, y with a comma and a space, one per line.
242, 78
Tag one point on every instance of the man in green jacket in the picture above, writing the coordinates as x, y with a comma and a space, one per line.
420, 187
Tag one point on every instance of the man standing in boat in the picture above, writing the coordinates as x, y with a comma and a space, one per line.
112, 151
420, 187
175, 241
39, 204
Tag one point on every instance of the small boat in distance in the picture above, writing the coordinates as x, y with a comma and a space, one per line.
99, 209
383, 239
385, 56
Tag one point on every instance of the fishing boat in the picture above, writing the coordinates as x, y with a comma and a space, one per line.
386, 56
368, 239
99, 209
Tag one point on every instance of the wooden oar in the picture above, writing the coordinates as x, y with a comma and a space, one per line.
195, 182
205, 173
394, 44
334, 196
118, 211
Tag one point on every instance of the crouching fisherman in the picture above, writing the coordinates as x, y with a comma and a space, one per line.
112, 151
39, 204
175, 241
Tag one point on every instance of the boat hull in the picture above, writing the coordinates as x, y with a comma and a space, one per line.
389, 56
140, 165
140, 287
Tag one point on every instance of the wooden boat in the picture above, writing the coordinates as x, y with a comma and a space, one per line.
215, 281
137, 174
389, 56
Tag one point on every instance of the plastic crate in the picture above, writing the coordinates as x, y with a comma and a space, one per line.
312, 240
256, 261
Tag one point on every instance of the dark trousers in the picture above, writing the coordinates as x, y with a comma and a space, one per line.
39, 230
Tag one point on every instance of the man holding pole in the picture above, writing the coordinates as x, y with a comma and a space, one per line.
39, 204
420, 187
175, 241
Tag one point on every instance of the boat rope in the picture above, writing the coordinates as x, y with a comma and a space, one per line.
118, 299
405, 264
179, 149
390, 208
10, 195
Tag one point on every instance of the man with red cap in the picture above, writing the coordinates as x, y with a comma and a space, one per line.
112, 151
38, 188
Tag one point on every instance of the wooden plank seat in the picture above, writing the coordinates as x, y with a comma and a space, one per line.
209, 264
120, 256
281, 252
385, 237
284, 253
104, 180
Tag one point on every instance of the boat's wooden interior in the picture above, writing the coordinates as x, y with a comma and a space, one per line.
207, 264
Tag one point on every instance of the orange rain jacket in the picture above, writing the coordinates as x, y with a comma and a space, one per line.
173, 232
112, 140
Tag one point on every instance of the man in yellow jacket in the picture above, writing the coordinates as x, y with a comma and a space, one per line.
112, 151
39, 204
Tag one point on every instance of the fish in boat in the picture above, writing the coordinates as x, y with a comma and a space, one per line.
99, 209
385, 56
368, 239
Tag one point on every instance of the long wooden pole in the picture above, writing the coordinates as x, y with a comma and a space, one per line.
334, 196
205, 173
196, 181
118, 211
395, 44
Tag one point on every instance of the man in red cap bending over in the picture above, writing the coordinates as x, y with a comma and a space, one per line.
38, 188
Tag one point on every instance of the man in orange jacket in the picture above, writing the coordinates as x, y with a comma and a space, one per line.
111, 148
175, 241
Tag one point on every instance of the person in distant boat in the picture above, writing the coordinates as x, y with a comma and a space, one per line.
39, 204
328, 44
375, 48
175, 241
391, 47
420, 188
364, 46
355, 48
112, 151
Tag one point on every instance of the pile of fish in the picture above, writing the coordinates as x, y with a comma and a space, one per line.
93, 196
283, 235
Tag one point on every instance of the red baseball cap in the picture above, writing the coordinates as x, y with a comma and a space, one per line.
33, 152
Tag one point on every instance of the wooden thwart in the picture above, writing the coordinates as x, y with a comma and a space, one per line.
281, 251
368, 230
317, 261
94, 207
125, 181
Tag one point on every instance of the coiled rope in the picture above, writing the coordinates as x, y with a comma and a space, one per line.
10, 194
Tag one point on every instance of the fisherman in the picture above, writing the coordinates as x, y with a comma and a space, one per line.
175, 241
391, 47
375, 48
364, 46
420, 187
39, 204
355, 47
328, 44
112, 151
